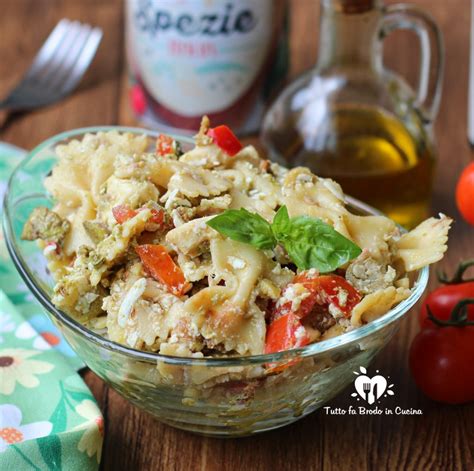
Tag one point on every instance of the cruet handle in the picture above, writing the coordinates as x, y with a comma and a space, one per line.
404, 16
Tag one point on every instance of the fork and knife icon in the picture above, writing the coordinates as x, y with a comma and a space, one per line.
370, 389
367, 388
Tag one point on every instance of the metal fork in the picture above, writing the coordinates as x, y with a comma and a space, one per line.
366, 388
57, 68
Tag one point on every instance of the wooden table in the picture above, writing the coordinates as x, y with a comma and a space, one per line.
442, 438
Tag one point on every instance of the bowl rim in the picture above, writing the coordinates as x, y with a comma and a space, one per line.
63, 318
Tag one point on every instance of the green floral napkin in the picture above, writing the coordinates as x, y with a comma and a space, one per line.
49, 419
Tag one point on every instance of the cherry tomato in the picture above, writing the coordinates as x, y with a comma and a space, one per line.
161, 266
323, 290
285, 333
442, 301
441, 361
225, 139
465, 193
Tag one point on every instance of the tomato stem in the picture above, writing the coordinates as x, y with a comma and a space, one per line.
458, 276
458, 316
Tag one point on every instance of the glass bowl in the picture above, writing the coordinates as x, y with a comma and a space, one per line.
213, 396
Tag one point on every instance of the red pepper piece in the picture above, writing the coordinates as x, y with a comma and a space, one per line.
161, 266
225, 139
123, 213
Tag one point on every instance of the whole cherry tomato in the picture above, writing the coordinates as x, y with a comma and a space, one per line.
465, 193
442, 363
444, 299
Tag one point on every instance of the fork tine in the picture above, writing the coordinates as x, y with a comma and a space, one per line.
49, 48
84, 59
57, 68
53, 67
64, 63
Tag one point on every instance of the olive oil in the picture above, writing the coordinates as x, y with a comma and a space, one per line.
376, 157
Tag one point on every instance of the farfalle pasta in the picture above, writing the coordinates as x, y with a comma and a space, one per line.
216, 251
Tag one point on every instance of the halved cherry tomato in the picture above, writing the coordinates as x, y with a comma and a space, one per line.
161, 266
465, 193
123, 213
285, 333
225, 139
165, 145
323, 290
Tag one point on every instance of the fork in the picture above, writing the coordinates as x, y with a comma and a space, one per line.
366, 389
57, 67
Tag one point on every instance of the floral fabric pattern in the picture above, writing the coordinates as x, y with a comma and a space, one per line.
26, 331
11, 430
46, 410
91, 440
17, 367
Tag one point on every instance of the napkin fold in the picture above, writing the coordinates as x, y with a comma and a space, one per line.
49, 419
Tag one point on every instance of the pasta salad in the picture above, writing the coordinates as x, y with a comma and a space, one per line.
216, 251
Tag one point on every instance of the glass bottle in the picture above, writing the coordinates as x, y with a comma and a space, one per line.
355, 121
188, 58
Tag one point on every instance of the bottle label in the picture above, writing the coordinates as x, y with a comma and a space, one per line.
198, 56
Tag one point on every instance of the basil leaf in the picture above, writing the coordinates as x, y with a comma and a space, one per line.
311, 243
281, 221
244, 226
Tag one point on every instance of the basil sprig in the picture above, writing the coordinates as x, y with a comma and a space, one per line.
309, 242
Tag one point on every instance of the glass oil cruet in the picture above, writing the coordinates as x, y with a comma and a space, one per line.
355, 121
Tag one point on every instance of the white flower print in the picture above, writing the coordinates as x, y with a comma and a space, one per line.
93, 437
11, 430
16, 367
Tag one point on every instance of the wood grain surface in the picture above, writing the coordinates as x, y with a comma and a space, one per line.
443, 438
